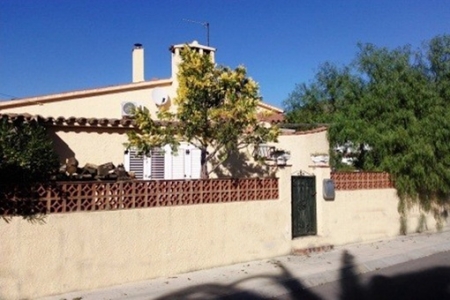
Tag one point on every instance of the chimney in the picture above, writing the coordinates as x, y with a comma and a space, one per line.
176, 57
138, 63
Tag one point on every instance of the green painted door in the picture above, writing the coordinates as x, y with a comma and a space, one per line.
304, 220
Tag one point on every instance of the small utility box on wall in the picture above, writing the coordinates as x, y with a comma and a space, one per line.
328, 189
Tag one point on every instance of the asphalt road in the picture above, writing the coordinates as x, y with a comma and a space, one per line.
425, 278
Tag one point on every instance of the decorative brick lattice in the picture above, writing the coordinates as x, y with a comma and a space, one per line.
361, 180
66, 197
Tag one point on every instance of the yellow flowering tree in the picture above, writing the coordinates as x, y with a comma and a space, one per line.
216, 111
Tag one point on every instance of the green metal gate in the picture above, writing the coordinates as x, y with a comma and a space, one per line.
303, 205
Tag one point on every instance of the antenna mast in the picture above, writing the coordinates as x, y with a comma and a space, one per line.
205, 24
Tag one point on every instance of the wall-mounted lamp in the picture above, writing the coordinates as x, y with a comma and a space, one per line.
270, 153
282, 158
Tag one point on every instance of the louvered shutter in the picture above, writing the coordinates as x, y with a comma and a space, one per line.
135, 164
157, 164
138, 164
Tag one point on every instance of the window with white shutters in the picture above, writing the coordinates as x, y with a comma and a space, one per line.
185, 164
165, 164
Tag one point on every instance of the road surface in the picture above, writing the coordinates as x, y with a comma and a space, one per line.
425, 278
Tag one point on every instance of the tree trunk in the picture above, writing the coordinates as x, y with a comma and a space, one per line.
204, 164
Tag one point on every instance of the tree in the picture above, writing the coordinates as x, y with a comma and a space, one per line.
216, 111
27, 158
319, 101
392, 107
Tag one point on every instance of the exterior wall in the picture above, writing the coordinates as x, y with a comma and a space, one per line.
84, 250
301, 146
97, 146
100, 145
366, 215
100, 104
87, 250
106, 105
359, 215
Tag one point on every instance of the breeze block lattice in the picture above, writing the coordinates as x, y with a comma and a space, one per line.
361, 180
65, 197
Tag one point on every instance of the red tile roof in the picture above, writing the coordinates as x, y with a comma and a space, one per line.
273, 118
71, 121
100, 122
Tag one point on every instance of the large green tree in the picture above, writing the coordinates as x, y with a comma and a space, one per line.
27, 158
391, 108
216, 111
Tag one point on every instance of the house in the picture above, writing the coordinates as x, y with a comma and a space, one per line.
91, 124
103, 234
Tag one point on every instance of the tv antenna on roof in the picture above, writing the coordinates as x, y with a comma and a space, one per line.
205, 24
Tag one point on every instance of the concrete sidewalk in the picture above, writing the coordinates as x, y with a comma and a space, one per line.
271, 277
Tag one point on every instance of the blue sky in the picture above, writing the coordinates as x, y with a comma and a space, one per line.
51, 46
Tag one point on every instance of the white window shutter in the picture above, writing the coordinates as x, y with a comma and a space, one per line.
134, 163
126, 160
187, 162
192, 167
147, 171
178, 163
138, 164
195, 163
183, 165
167, 162
157, 164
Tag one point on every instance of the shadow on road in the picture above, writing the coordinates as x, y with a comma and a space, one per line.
433, 283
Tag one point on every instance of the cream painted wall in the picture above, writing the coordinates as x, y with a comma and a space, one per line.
89, 146
357, 216
102, 145
373, 211
80, 251
97, 106
365, 215
90, 250
301, 146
